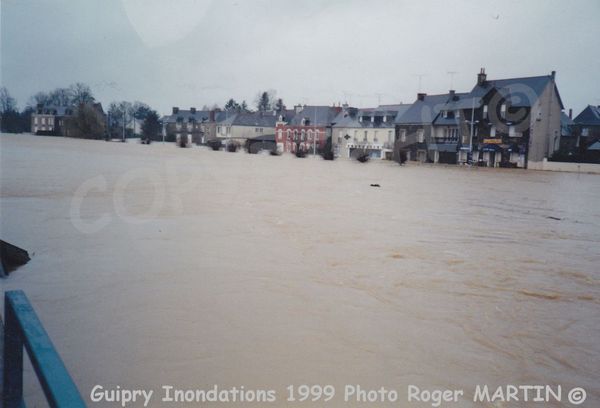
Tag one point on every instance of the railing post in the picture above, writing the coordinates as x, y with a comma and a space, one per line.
12, 393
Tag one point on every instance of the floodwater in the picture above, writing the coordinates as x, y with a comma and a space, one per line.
155, 265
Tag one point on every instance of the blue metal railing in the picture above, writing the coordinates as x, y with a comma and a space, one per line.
22, 328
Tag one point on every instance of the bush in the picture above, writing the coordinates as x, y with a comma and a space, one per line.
300, 153
328, 156
233, 147
214, 144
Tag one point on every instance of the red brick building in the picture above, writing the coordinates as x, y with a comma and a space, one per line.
306, 130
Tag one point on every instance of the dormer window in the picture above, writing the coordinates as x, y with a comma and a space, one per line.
281, 118
384, 118
503, 110
485, 111
457, 114
444, 114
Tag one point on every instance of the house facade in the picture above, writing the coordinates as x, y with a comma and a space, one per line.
305, 128
366, 130
587, 125
50, 119
511, 122
239, 127
190, 126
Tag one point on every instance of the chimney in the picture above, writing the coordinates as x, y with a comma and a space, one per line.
193, 110
553, 74
175, 110
421, 96
211, 115
481, 77
452, 94
298, 108
570, 113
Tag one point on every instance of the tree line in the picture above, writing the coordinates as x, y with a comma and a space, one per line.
123, 119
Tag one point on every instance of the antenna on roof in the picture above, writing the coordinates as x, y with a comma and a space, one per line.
451, 73
420, 80
378, 98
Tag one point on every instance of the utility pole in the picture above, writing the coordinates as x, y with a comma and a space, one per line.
123, 124
420, 76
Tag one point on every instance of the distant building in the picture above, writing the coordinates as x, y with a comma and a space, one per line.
414, 128
195, 126
50, 119
511, 122
239, 127
369, 130
587, 125
305, 128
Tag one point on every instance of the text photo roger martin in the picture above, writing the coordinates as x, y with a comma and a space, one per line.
324, 203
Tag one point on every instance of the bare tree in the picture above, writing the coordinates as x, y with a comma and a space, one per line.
7, 102
80, 94
61, 97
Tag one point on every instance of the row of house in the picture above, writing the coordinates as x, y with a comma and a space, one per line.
513, 122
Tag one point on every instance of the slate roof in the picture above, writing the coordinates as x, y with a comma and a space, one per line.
257, 119
521, 92
565, 125
589, 116
317, 116
423, 112
187, 116
57, 110
351, 118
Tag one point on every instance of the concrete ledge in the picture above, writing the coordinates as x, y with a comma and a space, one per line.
565, 166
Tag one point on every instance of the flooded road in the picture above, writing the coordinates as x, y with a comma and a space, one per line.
154, 265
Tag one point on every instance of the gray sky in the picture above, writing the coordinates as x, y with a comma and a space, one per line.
195, 52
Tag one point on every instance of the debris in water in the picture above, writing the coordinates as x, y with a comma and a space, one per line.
554, 218
11, 257
375, 185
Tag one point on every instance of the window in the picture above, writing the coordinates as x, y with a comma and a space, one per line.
493, 131
310, 134
503, 110
303, 135
444, 114
375, 137
457, 114
280, 134
296, 135
403, 135
390, 136
289, 134
485, 111
511, 131
420, 135
365, 136
316, 134
35, 120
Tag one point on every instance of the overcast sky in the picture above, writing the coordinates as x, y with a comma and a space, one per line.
194, 52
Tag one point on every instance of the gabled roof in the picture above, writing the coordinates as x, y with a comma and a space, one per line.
259, 119
521, 92
423, 111
565, 125
184, 115
316, 115
589, 116
57, 110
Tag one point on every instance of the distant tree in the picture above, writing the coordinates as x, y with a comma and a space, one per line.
139, 111
263, 102
151, 126
7, 102
40, 98
244, 107
80, 93
60, 97
10, 119
120, 120
86, 123
232, 106
279, 106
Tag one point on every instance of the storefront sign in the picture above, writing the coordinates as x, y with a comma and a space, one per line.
492, 141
